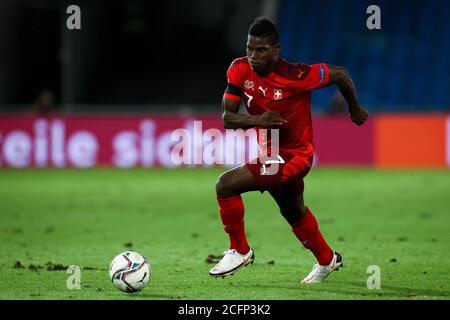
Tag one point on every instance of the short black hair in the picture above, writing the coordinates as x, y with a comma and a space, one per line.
263, 27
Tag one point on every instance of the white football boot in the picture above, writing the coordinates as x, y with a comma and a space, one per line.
319, 273
231, 262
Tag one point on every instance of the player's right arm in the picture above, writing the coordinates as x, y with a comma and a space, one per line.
232, 119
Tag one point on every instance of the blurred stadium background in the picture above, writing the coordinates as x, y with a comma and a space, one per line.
150, 59
140, 54
110, 94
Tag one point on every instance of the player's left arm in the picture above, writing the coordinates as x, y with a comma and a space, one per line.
342, 79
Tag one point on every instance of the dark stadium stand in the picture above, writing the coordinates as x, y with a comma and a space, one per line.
404, 69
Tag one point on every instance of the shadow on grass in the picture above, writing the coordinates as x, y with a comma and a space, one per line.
97, 296
360, 290
407, 292
159, 296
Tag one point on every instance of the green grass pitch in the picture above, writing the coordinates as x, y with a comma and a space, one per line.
398, 220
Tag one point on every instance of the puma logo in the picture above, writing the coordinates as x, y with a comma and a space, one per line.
262, 90
300, 73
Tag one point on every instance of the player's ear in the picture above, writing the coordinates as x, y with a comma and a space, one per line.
277, 48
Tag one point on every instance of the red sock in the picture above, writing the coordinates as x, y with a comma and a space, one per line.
307, 231
232, 214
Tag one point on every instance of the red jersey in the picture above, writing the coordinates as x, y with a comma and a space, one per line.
286, 90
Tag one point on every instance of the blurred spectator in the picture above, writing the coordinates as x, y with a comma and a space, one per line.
44, 103
338, 104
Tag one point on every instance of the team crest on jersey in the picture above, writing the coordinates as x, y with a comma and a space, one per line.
277, 94
249, 84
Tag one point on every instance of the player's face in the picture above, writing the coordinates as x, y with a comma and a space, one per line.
261, 54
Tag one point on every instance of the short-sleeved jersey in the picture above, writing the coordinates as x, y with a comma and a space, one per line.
286, 90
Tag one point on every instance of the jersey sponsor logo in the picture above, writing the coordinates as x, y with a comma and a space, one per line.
249, 84
278, 94
262, 90
322, 73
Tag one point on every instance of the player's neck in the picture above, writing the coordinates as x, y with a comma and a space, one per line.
271, 68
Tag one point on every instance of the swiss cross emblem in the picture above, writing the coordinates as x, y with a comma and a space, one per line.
277, 94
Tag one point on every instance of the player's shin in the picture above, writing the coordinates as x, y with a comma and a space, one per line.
307, 231
232, 215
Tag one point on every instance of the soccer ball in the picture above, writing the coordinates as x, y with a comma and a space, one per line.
130, 271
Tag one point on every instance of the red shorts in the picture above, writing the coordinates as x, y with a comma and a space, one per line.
284, 172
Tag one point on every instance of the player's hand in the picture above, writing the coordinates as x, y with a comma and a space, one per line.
359, 115
270, 119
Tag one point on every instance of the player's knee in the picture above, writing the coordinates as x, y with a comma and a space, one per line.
223, 186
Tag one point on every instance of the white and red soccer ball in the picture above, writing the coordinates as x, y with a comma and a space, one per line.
130, 271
